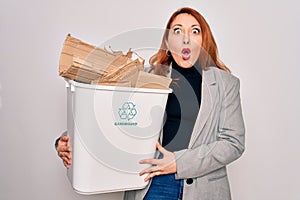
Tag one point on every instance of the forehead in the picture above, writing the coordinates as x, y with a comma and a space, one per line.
185, 19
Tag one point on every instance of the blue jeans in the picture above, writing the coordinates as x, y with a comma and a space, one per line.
165, 187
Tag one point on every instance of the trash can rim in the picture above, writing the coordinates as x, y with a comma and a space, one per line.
116, 88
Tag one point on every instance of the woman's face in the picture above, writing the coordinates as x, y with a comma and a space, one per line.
185, 40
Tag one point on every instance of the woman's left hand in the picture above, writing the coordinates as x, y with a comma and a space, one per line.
166, 165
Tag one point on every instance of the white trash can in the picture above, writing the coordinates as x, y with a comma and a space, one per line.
112, 128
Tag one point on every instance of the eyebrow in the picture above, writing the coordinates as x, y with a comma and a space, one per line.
181, 25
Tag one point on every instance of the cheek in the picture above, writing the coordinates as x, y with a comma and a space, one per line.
174, 44
196, 41
196, 46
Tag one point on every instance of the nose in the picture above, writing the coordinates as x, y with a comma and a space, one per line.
186, 38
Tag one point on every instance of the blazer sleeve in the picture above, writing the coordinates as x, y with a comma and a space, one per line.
229, 145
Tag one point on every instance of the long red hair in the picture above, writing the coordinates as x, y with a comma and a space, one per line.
160, 62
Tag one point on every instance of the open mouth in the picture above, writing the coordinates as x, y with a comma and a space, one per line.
186, 53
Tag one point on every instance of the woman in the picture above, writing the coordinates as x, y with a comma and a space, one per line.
197, 141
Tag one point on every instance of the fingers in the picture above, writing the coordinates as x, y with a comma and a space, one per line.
64, 138
63, 148
63, 141
63, 144
66, 157
64, 151
151, 175
165, 165
65, 154
67, 164
149, 161
150, 169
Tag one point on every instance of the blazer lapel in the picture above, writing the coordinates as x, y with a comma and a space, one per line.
207, 91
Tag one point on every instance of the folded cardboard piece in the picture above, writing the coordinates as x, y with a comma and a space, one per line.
147, 80
86, 63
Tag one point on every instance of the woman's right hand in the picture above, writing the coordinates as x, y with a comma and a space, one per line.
64, 151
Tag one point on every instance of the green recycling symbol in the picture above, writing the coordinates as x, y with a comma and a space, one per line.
127, 111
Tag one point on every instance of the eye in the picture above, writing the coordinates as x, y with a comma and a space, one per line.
177, 31
196, 31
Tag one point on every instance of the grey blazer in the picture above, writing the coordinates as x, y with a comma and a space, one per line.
218, 138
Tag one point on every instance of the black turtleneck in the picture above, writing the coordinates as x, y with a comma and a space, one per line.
182, 107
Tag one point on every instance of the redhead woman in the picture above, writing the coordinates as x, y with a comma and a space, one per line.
204, 129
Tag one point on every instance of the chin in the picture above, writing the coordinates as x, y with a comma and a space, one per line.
185, 64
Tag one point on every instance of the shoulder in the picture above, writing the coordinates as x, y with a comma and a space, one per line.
224, 77
226, 81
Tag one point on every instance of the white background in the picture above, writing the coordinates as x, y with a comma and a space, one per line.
257, 39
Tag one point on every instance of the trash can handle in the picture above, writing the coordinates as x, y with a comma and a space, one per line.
72, 88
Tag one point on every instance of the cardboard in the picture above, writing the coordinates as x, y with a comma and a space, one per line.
146, 80
86, 63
